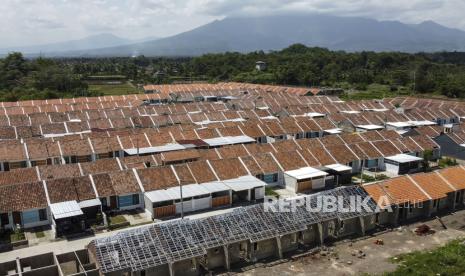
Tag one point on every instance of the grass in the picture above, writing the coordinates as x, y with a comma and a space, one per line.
374, 91
368, 178
445, 260
117, 219
40, 234
447, 162
10, 236
113, 89
269, 191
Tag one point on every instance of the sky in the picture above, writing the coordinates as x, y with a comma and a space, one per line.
32, 22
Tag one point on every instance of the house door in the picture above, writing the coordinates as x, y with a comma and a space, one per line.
16, 218
4, 220
113, 202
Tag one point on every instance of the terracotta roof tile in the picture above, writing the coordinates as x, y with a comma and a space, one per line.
228, 168
157, 178
455, 176
290, 160
22, 175
22, 197
59, 171
124, 182
100, 166
201, 171
67, 189
432, 184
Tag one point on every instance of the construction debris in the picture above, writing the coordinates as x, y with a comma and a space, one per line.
423, 230
379, 242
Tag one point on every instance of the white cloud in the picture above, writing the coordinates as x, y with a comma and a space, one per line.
42, 21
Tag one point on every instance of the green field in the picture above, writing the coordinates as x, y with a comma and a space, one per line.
446, 260
374, 91
113, 89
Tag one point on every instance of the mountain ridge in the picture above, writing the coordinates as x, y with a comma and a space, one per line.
247, 34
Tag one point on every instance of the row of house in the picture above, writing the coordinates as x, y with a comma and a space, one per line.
221, 177
249, 234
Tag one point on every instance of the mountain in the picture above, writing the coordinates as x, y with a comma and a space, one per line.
245, 34
86, 43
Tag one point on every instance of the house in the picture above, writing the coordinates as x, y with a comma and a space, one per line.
118, 191
12, 155
260, 65
305, 179
73, 203
455, 177
402, 195
76, 150
402, 164
24, 205
452, 144
43, 152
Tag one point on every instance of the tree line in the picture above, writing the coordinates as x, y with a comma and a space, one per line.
43, 78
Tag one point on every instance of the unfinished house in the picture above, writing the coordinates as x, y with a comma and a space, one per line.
240, 237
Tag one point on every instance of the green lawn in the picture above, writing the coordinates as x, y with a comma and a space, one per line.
269, 191
40, 234
117, 219
113, 89
446, 260
374, 91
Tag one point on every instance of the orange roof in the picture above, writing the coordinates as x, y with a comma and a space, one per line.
399, 190
376, 192
432, 184
455, 176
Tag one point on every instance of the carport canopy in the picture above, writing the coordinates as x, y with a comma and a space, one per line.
190, 190
403, 158
339, 167
215, 187
243, 183
65, 209
306, 173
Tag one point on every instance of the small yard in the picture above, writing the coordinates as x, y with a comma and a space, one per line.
445, 260
9, 236
40, 234
369, 178
117, 219
447, 162
270, 191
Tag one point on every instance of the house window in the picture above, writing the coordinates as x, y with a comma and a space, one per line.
129, 200
435, 203
31, 216
104, 201
42, 214
270, 178
255, 246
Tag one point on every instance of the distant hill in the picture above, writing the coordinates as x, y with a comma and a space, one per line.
245, 34
87, 43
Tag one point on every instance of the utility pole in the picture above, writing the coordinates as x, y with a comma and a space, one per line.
182, 203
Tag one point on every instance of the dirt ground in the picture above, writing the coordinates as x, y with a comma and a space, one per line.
363, 255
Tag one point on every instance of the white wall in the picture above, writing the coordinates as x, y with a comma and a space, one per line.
259, 193
318, 183
194, 205
394, 169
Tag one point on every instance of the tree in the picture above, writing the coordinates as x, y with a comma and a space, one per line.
427, 156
